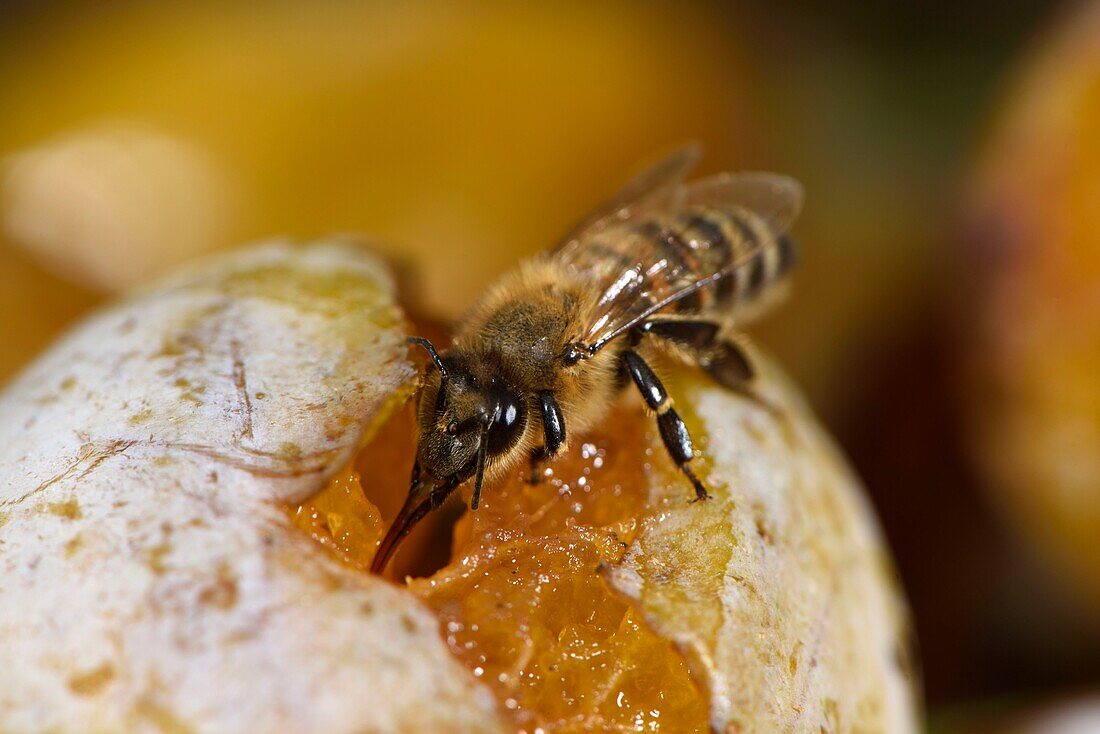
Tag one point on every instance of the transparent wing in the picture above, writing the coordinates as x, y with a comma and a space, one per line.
631, 263
654, 189
775, 198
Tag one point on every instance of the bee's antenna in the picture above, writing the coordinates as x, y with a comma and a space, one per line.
427, 345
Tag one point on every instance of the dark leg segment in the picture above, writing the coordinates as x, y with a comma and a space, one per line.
553, 423
725, 361
674, 433
697, 336
727, 364
553, 429
731, 368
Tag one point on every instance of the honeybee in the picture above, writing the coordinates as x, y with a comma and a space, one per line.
540, 356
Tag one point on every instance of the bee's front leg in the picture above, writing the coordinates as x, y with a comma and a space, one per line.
671, 426
553, 429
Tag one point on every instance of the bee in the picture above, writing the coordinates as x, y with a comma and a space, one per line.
541, 355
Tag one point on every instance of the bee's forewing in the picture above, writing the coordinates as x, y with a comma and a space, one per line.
629, 295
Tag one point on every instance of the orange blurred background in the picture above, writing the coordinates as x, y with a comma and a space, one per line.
458, 138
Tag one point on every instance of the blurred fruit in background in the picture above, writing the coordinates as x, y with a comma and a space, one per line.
116, 205
462, 141
1081, 716
1070, 715
1034, 231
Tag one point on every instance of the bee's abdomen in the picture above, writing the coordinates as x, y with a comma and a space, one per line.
738, 244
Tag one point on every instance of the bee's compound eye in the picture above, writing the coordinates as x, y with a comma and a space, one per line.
511, 419
509, 410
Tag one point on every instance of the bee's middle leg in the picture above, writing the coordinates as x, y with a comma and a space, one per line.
674, 432
553, 430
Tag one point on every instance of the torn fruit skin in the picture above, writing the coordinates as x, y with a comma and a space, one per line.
603, 599
523, 602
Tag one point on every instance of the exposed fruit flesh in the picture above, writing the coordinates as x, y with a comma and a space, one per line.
522, 602
342, 520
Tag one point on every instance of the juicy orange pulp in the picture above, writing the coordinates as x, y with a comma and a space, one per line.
340, 518
522, 602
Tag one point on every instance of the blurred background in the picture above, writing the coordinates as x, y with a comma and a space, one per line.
945, 323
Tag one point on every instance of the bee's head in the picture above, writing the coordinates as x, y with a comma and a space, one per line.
466, 415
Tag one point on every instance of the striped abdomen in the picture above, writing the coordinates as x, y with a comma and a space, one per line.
702, 243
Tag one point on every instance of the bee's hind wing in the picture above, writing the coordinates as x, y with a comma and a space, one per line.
773, 197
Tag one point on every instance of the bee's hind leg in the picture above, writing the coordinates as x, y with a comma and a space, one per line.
730, 367
671, 426
553, 429
724, 360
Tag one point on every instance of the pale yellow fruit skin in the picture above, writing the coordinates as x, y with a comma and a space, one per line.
779, 590
149, 579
